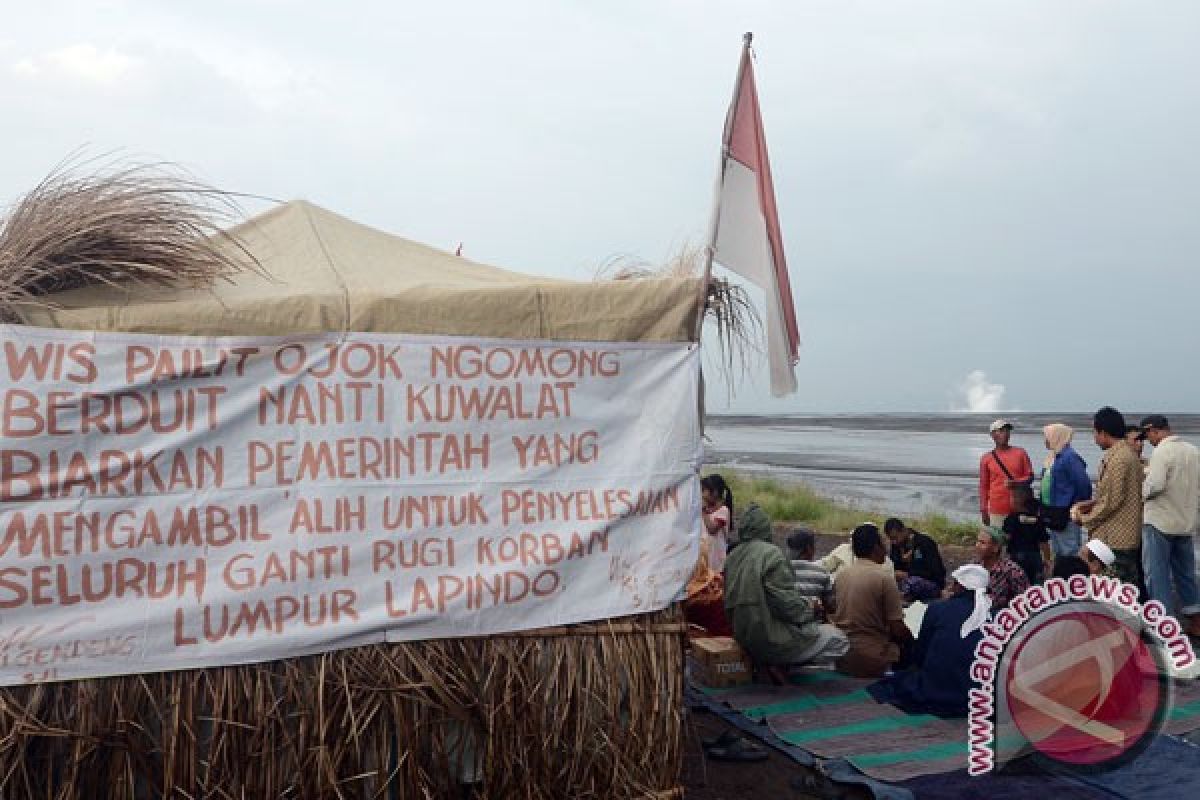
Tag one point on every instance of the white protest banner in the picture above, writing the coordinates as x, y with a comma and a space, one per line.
176, 502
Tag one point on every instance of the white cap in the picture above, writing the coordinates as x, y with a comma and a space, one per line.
1102, 551
1000, 424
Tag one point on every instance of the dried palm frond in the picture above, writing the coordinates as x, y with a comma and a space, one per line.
89, 224
686, 263
728, 307
739, 327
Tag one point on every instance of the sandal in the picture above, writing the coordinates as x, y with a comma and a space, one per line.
724, 740
739, 750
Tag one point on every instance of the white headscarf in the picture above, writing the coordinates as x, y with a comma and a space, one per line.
974, 578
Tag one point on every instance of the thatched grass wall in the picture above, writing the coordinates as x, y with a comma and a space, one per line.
592, 711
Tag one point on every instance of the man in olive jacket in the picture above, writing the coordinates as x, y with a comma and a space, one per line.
773, 622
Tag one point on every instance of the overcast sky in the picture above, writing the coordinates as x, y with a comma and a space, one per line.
1006, 188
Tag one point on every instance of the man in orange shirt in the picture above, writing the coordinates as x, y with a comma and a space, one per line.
999, 470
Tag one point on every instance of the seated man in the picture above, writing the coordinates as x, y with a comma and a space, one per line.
772, 622
812, 579
920, 572
843, 556
940, 679
870, 610
1100, 558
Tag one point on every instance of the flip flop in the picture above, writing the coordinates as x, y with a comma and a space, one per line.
724, 740
739, 750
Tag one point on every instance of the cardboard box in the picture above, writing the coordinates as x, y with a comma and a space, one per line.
721, 663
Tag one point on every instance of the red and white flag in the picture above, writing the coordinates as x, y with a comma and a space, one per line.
746, 237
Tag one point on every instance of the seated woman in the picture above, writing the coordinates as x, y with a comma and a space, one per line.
1006, 580
940, 679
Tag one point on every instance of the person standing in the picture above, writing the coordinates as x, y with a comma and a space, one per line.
1171, 492
1065, 482
1028, 539
920, 573
1000, 469
717, 514
1136, 440
1114, 515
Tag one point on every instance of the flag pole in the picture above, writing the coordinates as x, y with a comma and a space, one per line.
710, 247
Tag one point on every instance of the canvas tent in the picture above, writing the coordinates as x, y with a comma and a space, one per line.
323, 272
582, 711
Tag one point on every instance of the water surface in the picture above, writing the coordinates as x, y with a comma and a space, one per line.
900, 463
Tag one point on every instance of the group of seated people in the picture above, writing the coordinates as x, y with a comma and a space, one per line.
847, 610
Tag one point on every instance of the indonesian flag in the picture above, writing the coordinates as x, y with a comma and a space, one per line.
747, 238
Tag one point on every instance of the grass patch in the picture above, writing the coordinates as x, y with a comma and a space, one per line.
795, 503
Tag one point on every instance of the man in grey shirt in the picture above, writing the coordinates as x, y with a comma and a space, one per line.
1172, 494
812, 579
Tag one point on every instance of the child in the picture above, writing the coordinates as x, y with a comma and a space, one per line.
717, 512
1028, 540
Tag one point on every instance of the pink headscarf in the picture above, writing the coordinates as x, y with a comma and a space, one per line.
1058, 436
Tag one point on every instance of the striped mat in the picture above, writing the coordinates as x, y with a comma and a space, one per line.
832, 716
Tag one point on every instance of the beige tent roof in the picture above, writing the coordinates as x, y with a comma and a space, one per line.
328, 273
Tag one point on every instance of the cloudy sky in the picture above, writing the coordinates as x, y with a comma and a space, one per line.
986, 204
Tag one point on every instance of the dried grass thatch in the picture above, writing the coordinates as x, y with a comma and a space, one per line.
727, 307
592, 711
87, 224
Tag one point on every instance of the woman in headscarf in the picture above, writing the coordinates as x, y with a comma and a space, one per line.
1065, 482
1006, 579
940, 679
